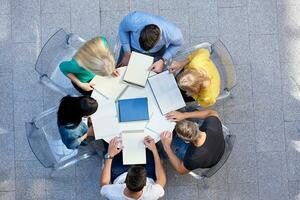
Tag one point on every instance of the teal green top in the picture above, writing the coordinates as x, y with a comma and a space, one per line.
73, 67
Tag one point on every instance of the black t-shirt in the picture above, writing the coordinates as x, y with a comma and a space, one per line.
211, 151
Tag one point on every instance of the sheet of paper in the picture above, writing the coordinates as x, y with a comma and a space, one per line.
105, 121
109, 86
134, 151
131, 126
137, 71
158, 123
166, 92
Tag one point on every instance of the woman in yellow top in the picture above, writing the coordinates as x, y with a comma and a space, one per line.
200, 78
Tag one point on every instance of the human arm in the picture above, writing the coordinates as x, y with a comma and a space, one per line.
166, 140
200, 114
113, 150
159, 170
178, 65
84, 86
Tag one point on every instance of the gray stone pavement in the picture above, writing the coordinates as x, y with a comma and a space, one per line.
264, 39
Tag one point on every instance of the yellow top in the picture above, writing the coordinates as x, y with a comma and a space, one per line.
199, 59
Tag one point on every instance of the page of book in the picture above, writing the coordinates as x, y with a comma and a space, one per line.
158, 123
105, 120
134, 151
109, 86
166, 92
137, 71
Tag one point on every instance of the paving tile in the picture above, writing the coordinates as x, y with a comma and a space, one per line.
58, 6
198, 40
175, 179
85, 18
180, 19
7, 172
289, 45
262, 16
150, 6
288, 19
7, 195
294, 188
292, 137
242, 167
61, 194
287, 2
30, 181
53, 22
239, 108
212, 194
203, 19
89, 169
238, 46
293, 165
233, 21
107, 5
232, 3
272, 175
5, 27
245, 137
6, 55
244, 191
24, 11
182, 192
291, 87
110, 25
63, 180
172, 4
24, 112
5, 7
264, 50
6, 104
88, 190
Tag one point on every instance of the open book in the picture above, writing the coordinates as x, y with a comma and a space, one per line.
166, 92
137, 71
105, 120
158, 123
109, 86
134, 150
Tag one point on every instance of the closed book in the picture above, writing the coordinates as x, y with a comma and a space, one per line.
133, 109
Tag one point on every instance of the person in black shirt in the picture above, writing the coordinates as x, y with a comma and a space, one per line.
206, 143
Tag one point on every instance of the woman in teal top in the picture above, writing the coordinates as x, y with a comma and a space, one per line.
92, 58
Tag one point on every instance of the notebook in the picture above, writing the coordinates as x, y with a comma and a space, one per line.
133, 109
105, 119
137, 71
110, 86
158, 123
133, 151
166, 92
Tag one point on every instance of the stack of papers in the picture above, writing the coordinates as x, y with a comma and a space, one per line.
109, 86
134, 151
105, 121
137, 71
166, 92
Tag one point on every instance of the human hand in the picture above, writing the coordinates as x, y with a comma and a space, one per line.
116, 73
166, 138
114, 147
157, 66
90, 131
87, 86
150, 143
125, 59
175, 65
175, 116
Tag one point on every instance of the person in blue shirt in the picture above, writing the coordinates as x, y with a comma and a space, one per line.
151, 35
72, 129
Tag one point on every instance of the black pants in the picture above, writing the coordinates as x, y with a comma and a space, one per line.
83, 92
157, 55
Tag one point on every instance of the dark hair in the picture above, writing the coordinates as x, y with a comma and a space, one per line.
136, 178
72, 109
149, 36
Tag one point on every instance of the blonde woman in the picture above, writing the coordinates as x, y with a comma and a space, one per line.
92, 58
199, 79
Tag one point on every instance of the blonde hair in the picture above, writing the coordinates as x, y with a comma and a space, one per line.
94, 56
187, 130
192, 80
